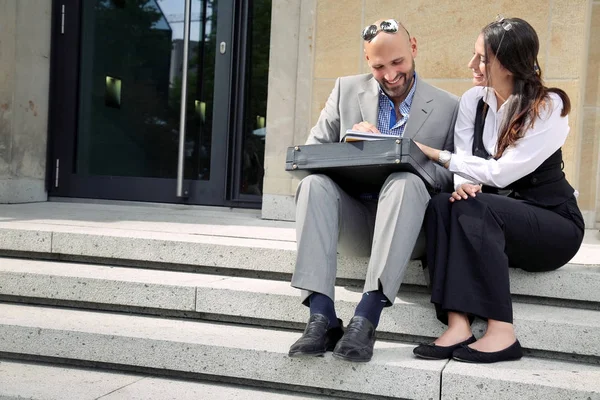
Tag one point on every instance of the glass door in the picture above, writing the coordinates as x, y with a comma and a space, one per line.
142, 99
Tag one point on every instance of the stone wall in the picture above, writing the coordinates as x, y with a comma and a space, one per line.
590, 146
446, 32
25, 27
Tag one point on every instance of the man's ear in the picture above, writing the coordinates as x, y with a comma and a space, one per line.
365, 53
413, 46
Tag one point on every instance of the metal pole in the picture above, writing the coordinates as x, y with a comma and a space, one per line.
182, 118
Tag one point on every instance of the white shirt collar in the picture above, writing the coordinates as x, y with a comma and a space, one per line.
489, 96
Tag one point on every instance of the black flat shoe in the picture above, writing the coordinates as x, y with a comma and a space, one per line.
317, 338
467, 354
431, 351
357, 343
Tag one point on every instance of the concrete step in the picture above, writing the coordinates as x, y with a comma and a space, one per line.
561, 331
528, 378
227, 351
20, 380
260, 355
243, 256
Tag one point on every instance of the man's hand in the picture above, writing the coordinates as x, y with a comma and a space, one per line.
365, 127
464, 191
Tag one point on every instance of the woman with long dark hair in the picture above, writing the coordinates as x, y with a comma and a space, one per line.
512, 206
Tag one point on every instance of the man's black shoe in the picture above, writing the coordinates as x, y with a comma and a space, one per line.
317, 338
358, 341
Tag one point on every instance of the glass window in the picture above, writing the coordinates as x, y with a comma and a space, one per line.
253, 153
131, 83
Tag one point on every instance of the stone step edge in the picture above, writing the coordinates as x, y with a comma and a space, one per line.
175, 346
573, 282
308, 392
36, 381
212, 349
51, 240
272, 303
31, 278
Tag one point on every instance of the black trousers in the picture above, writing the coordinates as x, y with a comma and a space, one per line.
472, 243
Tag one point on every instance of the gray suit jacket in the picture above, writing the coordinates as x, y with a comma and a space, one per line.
356, 98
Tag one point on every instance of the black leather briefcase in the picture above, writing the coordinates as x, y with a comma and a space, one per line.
360, 167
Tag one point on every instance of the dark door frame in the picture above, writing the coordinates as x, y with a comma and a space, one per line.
221, 190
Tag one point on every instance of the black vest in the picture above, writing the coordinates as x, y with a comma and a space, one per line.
546, 186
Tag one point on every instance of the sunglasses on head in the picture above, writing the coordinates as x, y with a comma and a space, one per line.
507, 26
389, 26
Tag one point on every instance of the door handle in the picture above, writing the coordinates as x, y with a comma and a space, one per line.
182, 116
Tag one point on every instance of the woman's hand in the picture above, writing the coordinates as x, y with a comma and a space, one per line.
464, 191
430, 152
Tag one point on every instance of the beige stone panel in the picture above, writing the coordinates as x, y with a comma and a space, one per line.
446, 30
588, 173
571, 146
283, 62
275, 165
338, 43
321, 90
304, 81
281, 186
279, 140
454, 86
32, 82
281, 102
294, 184
592, 94
8, 11
568, 39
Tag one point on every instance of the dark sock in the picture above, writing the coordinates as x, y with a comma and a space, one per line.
371, 305
321, 304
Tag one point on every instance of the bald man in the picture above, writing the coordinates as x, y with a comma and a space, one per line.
392, 99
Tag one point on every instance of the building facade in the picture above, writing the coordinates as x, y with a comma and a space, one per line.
102, 99
328, 45
136, 100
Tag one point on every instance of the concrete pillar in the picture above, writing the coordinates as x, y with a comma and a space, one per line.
289, 102
25, 30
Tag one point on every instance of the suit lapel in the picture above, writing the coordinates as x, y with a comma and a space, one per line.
421, 108
368, 101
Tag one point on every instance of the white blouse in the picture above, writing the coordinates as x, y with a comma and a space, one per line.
539, 142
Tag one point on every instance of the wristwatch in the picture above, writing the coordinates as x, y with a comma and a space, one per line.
444, 157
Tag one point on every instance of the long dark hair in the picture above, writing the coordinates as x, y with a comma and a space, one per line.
515, 45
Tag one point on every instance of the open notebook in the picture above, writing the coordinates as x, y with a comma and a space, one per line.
356, 136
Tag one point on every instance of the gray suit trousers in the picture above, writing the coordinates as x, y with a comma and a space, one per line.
328, 221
